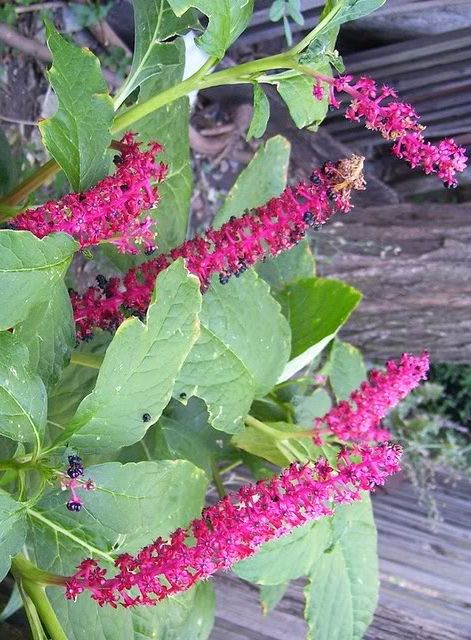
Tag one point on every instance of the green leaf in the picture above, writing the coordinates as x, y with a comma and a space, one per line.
227, 20
261, 113
262, 179
7, 165
79, 133
348, 10
271, 595
345, 368
314, 406
76, 382
29, 268
288, 267
132, 504
169, 125
49, 334
288, 557
58, 542
316, 308
140, 366
296, 92
343, 584
189, 616
236, 356
23, 398
12, 531
154, 22
184, 432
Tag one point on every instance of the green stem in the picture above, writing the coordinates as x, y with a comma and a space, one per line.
239, 74
35, 180
217, 478
34, 620
29, 571
86, 360
323, 24
37, 593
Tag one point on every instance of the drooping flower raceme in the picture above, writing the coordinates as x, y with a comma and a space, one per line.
396, 121
110, 210
359, 418
235, 527
228, 251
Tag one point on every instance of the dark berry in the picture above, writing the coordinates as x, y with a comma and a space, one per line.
75, 472
74, 460
223, 278
308, 217
101, 281
149, 251
146, 417
182, 395
315, 179
232, 218
74, 505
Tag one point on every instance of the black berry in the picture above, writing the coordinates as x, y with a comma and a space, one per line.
75, 471
182, 395
308, 217
101, 281
74, 460
74, 505
146, 417
223, 278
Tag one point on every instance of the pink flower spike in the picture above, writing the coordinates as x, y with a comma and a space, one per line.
359, 418
235, 528
229, 251
110, 210
397, 121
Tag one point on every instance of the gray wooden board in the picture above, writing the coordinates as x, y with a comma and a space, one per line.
425, 577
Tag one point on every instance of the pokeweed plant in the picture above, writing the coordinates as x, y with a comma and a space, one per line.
120, 403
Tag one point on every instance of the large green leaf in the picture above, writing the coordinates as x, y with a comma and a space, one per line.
154, 22
76, 382
140, 366
287, 267
227, 20
132, 503
262, 179
169, 125
79, 133
29, 268
12, 531
23, 398
164, 495
345, 368
184, 432
343, 583
236, 356
316, 308
49, 334
314, 406
288, 557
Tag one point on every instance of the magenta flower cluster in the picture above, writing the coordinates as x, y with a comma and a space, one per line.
228, 251
235, 528
396, 121
110, 210
358, 419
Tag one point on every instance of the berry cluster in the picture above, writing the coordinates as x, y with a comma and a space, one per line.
396, 121
72, 480
359, 418
235, 528
229, 251
110, 210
